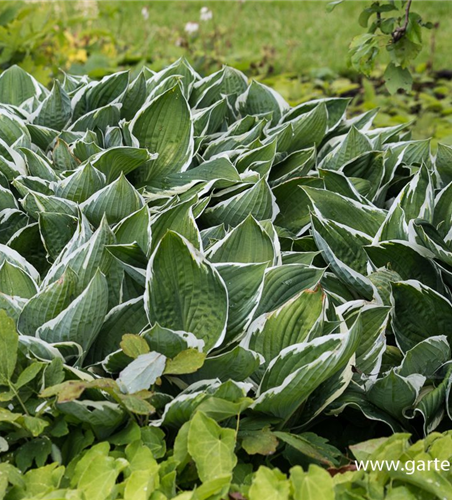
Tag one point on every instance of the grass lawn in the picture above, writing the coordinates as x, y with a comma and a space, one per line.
296, 36
296, 47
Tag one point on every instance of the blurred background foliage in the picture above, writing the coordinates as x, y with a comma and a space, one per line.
296, 47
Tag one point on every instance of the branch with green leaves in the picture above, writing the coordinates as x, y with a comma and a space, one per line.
392, 27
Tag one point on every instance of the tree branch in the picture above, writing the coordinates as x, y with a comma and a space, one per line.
399, 32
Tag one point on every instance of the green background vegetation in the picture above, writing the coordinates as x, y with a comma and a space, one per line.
296, 47
296, 36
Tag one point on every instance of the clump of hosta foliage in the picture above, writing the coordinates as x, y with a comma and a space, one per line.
198, 280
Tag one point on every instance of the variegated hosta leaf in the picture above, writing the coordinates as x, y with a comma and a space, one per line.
426, 357
246, 243
299, 369
353, 145
85, 259
408, 260
56, 230
217, 172
343, 250
82, 320
125, 160
178, 218
128, 317
372, 346
115, 201
164, 127
55, 111
419, 313
244, 283
299, 319
185, 292
48, 303
171, 342
434, 402
345, 211
135, 228
258, 99
15, 281
257, 201
395, 393
82, 184
282, 283
443, 159
13, 257
237, 364
294, 204
17, 86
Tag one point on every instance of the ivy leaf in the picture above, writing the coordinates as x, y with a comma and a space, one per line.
211, 447
269, 484
313, 484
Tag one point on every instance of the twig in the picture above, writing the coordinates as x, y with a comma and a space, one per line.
399, 32
432, 47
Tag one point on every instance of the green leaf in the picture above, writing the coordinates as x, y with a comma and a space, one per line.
82, 184
343, 249
115, 201
128, 317
9, 341
394, 393
299, 369
257, 201
282, 283
184, 291
84, 254
247, 243
345, 211
17, 86
15, 281
237, 364
121, 160
244, 285
262, 442
188, 361
82, 320
142, 373
426, 357
259, 99
178, 218
397, 78
419, 313
407, 260
47, 303
133, 345
269, 484
55, 110
311, 446
96, 473
313, 484
171, 342
154, 127
292, 323
211, 447
56, 231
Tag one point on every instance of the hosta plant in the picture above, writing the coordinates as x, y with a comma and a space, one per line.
192, 267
